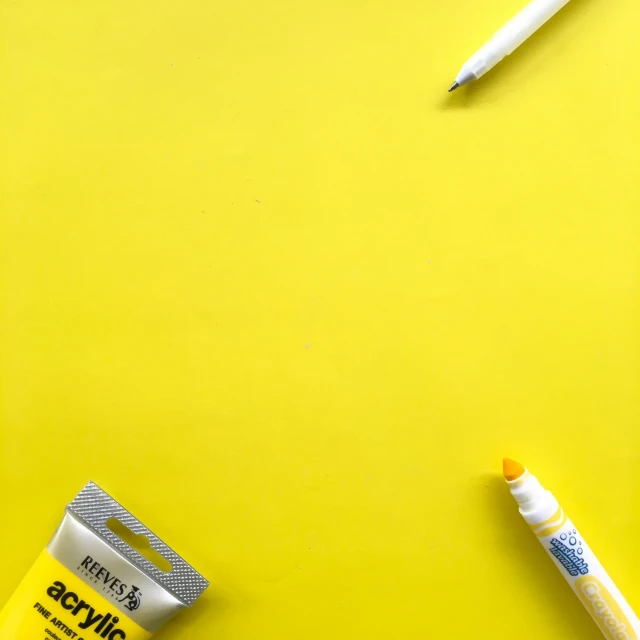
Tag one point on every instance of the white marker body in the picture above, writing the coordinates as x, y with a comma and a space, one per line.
575, 560
509, 38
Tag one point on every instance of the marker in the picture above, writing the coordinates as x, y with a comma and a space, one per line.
508, 39
571, 554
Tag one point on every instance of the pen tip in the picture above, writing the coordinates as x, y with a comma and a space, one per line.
512, 470
454, 86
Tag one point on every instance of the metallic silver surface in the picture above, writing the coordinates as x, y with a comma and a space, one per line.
94, 507
454, 86
74, 542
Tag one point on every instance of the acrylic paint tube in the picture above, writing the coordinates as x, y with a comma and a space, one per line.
89, 584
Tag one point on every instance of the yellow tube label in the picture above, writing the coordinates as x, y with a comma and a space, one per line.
52, 603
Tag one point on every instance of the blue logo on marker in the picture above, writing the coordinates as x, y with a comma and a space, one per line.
568, 558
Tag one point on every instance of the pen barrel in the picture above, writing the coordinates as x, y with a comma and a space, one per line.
525, 24
587, 577
513, 34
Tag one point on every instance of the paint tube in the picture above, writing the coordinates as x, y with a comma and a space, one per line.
91, 584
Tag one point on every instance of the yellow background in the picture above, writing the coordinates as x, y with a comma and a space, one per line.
265, 281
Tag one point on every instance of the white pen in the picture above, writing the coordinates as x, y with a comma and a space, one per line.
508, 39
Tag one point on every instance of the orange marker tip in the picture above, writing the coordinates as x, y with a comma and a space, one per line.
511, 469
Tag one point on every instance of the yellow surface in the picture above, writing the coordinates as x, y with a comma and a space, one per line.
269, 284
